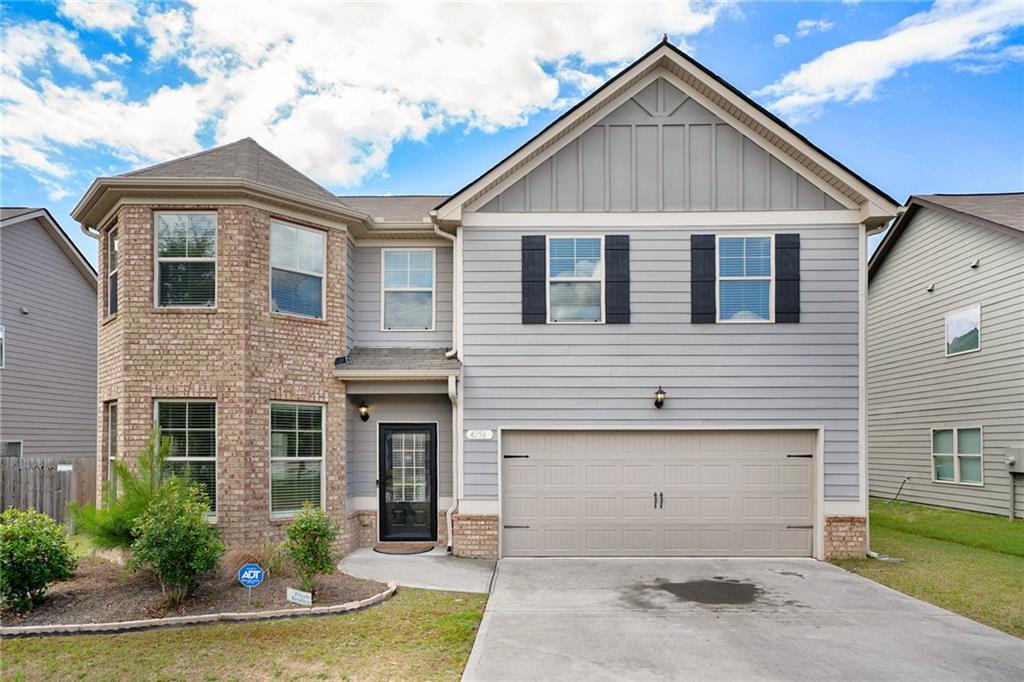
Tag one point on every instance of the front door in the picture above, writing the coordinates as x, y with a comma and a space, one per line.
408, 482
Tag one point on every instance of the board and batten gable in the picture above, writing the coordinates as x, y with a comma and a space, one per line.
914, 387
48, 383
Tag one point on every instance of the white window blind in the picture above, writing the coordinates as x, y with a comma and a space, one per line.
186, 269
296, 456
296, 270
575, 279
744, 279
192, 428
113, 246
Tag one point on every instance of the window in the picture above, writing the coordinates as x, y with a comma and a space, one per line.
297, 270
113, 245
963, 331
11, 448
956, 456
296, 456
186, 254
3, 347
192, 427
745, 279
575, 279
408, 289
111, 410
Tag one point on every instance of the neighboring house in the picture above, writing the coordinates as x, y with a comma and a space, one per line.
487, 364
946, 353
47, 340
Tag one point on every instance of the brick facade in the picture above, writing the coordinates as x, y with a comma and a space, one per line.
238, 354
475, 537
845, 536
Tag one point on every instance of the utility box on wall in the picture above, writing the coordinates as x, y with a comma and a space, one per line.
1015, 460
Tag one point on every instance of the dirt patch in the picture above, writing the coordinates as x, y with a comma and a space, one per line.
101, 591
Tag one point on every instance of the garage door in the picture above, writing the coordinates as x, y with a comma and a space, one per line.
647, 493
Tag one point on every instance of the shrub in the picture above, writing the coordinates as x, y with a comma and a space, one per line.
110, 525
270, 556
310, 537
34, 552
174, 541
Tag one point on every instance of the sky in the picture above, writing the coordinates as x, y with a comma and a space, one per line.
421, 98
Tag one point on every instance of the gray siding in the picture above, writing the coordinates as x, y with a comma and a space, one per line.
48, 386
913, 386
367, 300
734, 374
361, 466
660, 151
351, 300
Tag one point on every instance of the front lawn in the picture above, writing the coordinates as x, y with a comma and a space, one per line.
965, 562
416, 635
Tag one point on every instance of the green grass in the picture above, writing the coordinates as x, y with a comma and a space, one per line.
417, 635
964, 562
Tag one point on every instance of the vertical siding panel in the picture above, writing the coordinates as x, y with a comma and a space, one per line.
782, 189
593, 169
727, 168
647, 168
755, 176
700, 168
540, 187
674, 165
567, 177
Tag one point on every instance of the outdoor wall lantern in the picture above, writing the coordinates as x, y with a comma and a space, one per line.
364, 411
659, 397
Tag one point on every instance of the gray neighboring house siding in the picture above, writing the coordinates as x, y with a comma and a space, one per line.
48, 383
913, 387
715, 374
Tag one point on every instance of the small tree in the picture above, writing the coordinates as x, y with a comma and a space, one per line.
310, 537
174, 541
34, 552
110, 525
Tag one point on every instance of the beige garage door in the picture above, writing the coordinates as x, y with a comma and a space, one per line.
657, 493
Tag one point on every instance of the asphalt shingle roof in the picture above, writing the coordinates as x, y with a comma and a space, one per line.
1005, 209
397, 359
413, 208
8, 212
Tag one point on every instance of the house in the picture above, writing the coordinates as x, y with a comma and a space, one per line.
641, 333
47, 340
946, 354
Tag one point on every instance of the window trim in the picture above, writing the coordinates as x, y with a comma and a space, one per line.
956, 454
157, 259
945, 331
271, 268
112, 240
740, 278
212, 515
21, 446
547, 276
111, 439
433, 288
3, 346
270, 457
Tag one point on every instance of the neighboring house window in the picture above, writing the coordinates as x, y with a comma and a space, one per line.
10, 448
3, 347
192, 427
113, 245
956, 456
408, 289
297, 270
296, 456
575, 279
745, 279
111, 442
963, 331
186, 251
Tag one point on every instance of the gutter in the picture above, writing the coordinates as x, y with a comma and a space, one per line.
454, 398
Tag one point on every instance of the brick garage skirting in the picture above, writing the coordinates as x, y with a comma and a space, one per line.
361, 530
845, 536
476, 537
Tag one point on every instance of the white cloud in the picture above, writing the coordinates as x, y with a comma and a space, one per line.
116, 59
805, 27
780, 39
113, 17
854, 72
334, 86
35, 44
990, 62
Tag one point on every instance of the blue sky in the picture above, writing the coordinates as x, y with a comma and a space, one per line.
378, 99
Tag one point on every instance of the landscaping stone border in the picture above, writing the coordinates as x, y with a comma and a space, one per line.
172, 621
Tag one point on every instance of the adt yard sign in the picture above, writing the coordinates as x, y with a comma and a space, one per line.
250, 575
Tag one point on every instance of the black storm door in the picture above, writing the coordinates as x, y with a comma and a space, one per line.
408, 482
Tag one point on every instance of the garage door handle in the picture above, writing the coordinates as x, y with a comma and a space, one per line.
655, 500
661, 499
799, 527
515, 457
801, 456
507, 526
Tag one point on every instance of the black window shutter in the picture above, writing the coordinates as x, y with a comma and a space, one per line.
703, 307
535, 309
616, 279
787, 278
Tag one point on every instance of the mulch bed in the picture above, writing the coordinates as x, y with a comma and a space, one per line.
101, 591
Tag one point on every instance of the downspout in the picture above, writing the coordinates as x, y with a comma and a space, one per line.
454, 398
453, 394
454, 352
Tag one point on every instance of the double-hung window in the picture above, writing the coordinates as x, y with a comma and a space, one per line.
963, 331
111, 442
956, 456
745, 272
192, 427
297, 270
408, 289
186, 255
575, 279
112, 253
296, 456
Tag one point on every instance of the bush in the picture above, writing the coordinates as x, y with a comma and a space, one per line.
270, 556
174, 541
110, 525
34, 552
310, 537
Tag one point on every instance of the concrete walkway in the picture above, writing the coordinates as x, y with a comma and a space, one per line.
435, 570
722, 619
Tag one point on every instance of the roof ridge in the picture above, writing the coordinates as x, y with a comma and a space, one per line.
201, 152
970, 194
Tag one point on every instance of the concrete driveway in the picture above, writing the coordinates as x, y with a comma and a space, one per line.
735, 619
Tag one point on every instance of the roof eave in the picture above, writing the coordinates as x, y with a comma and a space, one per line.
395, 374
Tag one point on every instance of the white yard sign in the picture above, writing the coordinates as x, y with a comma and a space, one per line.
299, 597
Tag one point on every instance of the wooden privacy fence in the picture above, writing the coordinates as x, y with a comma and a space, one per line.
47, 485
